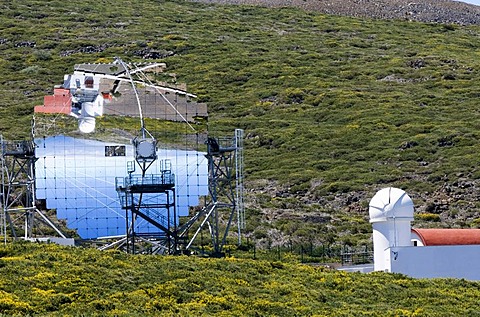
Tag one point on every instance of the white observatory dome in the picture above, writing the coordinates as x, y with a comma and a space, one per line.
86, 125
390, 203
88, 109
93, 109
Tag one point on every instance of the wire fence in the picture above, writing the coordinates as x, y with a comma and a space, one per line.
308, 253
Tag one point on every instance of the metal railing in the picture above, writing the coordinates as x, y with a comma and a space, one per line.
165, 178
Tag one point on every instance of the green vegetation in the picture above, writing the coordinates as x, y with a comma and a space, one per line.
334, 108
48, 280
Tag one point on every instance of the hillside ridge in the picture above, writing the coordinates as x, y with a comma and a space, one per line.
437, 11
334, 108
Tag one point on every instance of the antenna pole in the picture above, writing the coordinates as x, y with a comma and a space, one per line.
142, 122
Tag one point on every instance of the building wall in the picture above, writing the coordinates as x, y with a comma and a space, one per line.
394, 233
416, 240
462, 261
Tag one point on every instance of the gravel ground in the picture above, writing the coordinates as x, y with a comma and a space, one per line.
437, 11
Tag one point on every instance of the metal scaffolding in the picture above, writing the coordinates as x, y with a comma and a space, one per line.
151, 198
225, 186
139, 196
239, 183
19, 210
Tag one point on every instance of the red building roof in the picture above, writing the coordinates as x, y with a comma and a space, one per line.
59, 102
432, 237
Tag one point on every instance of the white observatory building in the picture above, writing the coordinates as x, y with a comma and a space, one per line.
421, 253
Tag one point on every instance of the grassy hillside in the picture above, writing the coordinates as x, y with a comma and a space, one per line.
334, 108
47, 280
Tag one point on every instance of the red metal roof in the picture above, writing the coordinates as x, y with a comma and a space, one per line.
59, 102
432, 237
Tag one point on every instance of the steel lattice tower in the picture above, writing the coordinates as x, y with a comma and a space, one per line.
225, 186
19, 210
